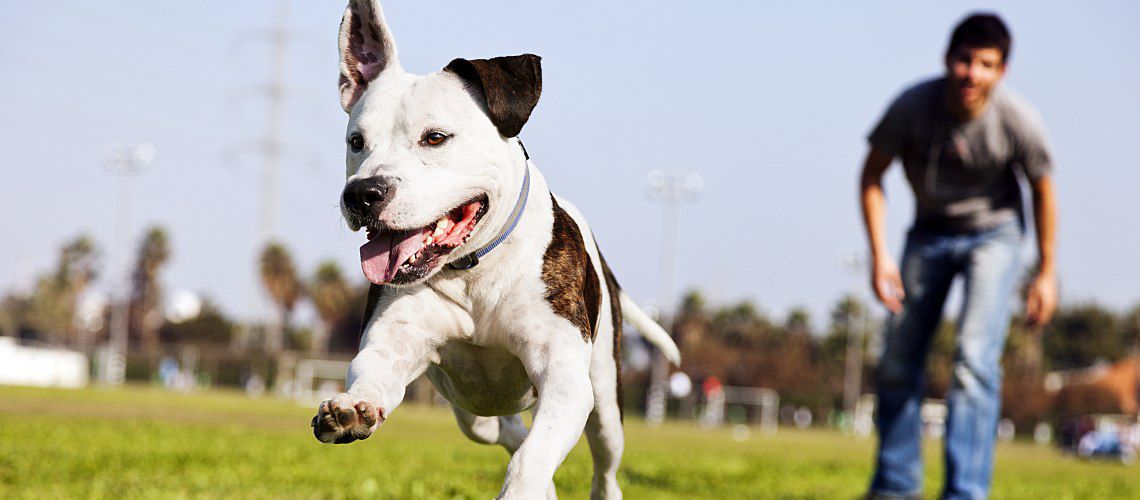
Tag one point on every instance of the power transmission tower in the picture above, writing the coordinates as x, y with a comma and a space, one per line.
273, 44
271, 146
275, 106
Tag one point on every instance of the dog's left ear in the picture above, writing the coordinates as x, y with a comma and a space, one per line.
510, 87
366, 49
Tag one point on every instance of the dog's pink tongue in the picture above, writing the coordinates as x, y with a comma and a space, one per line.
384, 254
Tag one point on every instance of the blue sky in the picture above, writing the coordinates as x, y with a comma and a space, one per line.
769, 102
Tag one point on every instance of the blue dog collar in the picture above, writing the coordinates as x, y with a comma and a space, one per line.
472, 259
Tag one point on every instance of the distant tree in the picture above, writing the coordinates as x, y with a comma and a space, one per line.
691, 325
78, 263
742, 325
692, 304
146, 289
279, 276
1130, 329
48, 312
332, 299
1080, 335
848, 315
798, 321
210, 326
1024, 348
345, 335
795, 363
14, 312
1024, 398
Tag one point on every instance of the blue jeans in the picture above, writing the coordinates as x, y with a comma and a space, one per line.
989, 263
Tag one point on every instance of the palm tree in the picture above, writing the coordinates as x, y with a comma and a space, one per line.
51, 308
331, 298
146, 291
78, 260
279, 276
798, 321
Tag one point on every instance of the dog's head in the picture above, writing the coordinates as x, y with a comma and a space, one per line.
429, 158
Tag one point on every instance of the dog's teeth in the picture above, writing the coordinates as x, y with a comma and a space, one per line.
429, 240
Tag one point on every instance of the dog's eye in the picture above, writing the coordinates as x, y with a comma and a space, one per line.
356, 142
434, 138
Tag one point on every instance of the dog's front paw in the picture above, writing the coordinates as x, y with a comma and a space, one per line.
340, 420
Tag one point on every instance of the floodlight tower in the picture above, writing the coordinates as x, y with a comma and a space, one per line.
126, 162
672, 190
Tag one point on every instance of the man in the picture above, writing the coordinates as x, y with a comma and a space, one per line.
963, 141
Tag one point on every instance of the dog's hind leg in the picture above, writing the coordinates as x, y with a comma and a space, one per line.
604, 433
604, 427
508, 432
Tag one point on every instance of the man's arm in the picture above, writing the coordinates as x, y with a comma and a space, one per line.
885, 278
1041, 299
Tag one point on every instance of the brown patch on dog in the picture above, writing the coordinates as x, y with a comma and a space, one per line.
615, 318
510, 86
571, 284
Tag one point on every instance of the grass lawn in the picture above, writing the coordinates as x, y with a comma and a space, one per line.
142, 442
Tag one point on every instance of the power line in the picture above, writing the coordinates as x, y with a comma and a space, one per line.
270, 151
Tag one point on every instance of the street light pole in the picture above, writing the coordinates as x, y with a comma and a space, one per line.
672, 190
124, 161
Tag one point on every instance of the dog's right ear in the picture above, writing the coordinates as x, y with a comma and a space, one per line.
366, 49
510, 87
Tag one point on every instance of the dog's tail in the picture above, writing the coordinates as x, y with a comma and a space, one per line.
650, 329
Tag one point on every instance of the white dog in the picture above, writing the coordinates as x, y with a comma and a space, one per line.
481, 277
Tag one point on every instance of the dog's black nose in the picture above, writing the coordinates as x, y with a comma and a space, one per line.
365, 197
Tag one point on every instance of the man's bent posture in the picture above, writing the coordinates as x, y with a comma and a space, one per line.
963, 141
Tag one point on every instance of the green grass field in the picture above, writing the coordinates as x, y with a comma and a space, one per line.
141, 442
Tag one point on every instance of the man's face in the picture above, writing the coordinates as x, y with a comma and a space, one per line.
972, 73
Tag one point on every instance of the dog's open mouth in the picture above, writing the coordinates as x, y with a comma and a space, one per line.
403, 256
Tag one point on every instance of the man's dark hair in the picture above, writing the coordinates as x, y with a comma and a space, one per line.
981, 31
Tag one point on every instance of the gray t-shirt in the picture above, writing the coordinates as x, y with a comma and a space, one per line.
964, 174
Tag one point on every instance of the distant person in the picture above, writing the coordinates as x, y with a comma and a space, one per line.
963, 140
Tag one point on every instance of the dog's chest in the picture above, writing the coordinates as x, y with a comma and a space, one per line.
482, 380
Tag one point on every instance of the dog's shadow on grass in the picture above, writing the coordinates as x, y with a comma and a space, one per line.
654, 479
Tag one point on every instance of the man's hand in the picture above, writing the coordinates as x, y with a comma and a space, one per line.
885, 278
1041, 300
887, 282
